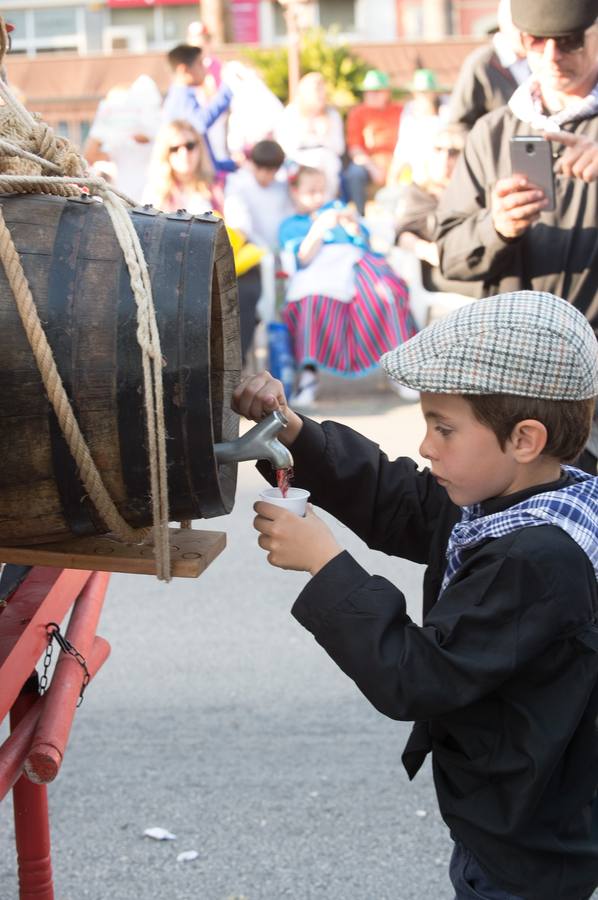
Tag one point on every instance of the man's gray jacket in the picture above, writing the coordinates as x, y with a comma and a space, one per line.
559, 253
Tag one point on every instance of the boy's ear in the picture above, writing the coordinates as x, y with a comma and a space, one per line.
528, 440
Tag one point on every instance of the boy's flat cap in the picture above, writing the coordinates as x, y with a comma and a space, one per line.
552, 18
526, 343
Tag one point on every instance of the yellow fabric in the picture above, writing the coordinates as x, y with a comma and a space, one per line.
246, 255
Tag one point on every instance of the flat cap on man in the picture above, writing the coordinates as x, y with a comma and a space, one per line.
552, 18
526, 343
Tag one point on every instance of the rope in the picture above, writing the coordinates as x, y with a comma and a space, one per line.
46, 151
61, 186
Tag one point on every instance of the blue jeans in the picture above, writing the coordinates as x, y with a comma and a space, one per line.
355, 180
469, 879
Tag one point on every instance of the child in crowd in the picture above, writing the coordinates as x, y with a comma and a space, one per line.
415, 203
501, 679
414, 208
181, 103
345, 305
255, 200
122, 135
310, 130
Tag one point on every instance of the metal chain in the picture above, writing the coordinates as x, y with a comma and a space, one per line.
43, 682
54, 633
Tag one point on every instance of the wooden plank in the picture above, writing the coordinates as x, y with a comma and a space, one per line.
192, 552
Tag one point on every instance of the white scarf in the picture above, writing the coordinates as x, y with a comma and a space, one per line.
526, 104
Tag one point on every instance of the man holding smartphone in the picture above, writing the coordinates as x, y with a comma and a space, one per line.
493, 223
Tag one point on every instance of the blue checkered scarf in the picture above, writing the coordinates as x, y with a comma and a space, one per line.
573, 508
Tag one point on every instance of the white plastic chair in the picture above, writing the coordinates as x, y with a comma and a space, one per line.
266, 305
257, 357
425, 305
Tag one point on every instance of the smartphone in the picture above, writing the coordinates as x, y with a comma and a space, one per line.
532, 156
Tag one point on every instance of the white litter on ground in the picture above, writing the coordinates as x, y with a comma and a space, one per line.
159, 834
187, 856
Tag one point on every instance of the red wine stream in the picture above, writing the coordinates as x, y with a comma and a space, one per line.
283, 480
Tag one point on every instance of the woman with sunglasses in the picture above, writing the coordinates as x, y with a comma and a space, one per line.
181, 174
183, 178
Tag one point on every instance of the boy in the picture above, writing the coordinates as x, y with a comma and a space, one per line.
181, 103
255, 200
501, 679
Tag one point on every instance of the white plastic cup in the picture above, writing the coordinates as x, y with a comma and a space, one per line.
295, 500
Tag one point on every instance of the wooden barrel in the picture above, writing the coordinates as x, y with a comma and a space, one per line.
82, 290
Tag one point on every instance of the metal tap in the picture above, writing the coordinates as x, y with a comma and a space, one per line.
260, 442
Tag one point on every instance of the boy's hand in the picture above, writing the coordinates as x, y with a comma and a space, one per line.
259, 395
303, 544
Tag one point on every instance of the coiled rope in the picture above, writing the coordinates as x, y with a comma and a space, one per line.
35, 160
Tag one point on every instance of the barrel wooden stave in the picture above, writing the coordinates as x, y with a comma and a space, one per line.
89, 321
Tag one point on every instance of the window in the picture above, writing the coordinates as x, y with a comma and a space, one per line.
175, 21
17, 18
328, 13
47, 29
413, 21
126, 18
84, 129
280, 27
340, 13
164, 25
306, 17
55, 22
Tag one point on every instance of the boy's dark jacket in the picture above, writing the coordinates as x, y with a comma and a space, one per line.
502, 677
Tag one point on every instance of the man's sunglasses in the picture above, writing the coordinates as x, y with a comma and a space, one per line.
566, 43
450, 151
188, 145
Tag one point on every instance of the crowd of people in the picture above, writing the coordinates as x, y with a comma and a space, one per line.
311, 190
307, 189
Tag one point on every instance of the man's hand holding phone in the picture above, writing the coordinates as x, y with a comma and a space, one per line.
516, 204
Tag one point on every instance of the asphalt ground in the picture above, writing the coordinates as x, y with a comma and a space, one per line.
219, 718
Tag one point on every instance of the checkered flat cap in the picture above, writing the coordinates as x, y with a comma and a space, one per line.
526, 343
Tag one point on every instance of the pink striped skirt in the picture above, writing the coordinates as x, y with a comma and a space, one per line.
348, 338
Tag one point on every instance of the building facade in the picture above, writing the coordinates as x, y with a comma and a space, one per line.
141, 26
67, 54
433, 19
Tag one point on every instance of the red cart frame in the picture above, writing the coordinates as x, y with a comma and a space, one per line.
40, 725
